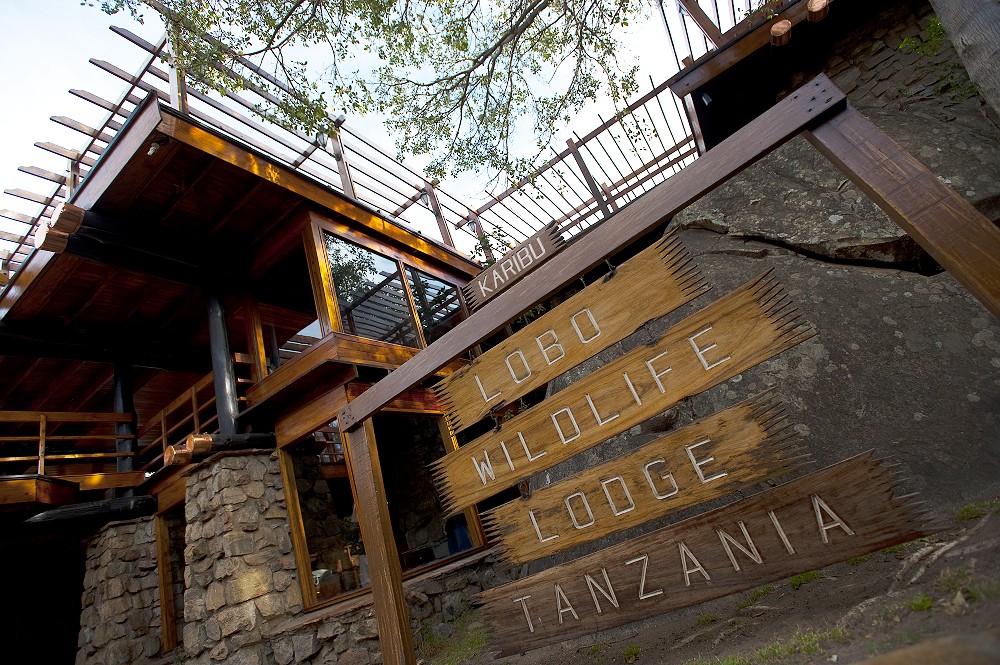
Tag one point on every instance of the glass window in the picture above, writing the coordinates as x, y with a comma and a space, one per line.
436, 302
370, 293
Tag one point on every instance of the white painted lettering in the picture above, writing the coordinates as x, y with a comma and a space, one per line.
484, 468
524, 363
700, 350
527, 617
596, 328
820, 505
506, 454
546, 348
562, 435
538, 531
508, 269
483, 390
686, 555
597, 416
631, 388
524, 257
657, 375
728, 540
483, 289
586, 506
643, 594
541, 248
611, 502
781, 532
560, 599
698, 463
531, 458
652, 485
609, 593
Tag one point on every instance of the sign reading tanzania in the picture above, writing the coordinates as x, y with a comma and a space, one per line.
821, 518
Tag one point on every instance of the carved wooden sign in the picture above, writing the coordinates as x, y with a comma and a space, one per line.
514, 265
588, 322
821, 518
739, 447
741, 329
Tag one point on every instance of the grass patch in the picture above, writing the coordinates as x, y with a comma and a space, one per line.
754, 596
802, 643
895, 549
803, 578
921, 603
858, 560
467, 642
707, 618
976, 509
631, 653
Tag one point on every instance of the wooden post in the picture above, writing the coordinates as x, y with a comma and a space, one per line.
818, 9
222, 367
345, 174
123, 401
591, 183
781, 33
178, 84
166, 583
383, 559
957, 235
41, 444
702, 20
438, 215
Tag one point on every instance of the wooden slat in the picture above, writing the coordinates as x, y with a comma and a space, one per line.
957, 235
43, 174
753, 323
104, 481
64, 416
662, 277
82, 128
843, 511
417, 400
729, 451
166, 584
30, 196
786, 119
702, 20
66, 152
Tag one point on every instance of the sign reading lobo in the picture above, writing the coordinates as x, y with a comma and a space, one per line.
819, 519
573, 331
514, 265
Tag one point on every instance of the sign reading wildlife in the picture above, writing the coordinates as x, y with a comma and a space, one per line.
819, 519
739, 447
514, 265
577, 329
731, 335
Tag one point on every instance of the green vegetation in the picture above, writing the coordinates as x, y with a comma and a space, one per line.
803, 578
754, 596
467, 642
977, 509
706, 619
895, 549
802, 643
921, 603
631, 653
858, 560
929, 45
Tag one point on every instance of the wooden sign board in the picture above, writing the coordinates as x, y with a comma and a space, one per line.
842, 511
514, 265
575, 330
731, 335
736, 448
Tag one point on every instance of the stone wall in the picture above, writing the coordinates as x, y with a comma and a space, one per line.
120, 621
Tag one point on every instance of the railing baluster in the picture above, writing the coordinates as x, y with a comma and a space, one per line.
42, 422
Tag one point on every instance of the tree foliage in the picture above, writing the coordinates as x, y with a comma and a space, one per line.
457, 79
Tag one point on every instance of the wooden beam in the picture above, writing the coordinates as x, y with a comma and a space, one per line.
702, 20
647, 214
324, 295
166, 583
952, 231
394, 633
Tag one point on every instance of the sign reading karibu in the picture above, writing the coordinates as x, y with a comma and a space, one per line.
822, 518
514, 265
580, 327
731, 335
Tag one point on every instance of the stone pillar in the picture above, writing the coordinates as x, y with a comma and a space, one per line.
239, 573
120, 621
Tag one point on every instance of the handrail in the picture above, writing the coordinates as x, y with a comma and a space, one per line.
47, 421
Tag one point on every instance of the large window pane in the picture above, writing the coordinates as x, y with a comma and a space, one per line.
370, 293
436, 301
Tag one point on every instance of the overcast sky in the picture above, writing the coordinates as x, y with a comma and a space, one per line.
45, 52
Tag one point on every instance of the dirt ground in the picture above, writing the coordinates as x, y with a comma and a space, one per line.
947, 584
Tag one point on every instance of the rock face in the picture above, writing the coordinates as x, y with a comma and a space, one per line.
120, 622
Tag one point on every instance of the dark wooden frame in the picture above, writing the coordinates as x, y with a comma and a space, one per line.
946, 225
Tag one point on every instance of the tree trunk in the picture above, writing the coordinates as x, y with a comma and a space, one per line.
974, 29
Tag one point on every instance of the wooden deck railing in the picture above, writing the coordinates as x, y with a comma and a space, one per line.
48, 422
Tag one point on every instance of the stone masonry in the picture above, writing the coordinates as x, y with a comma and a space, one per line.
120, 622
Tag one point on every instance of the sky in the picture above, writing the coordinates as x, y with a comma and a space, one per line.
45, 52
